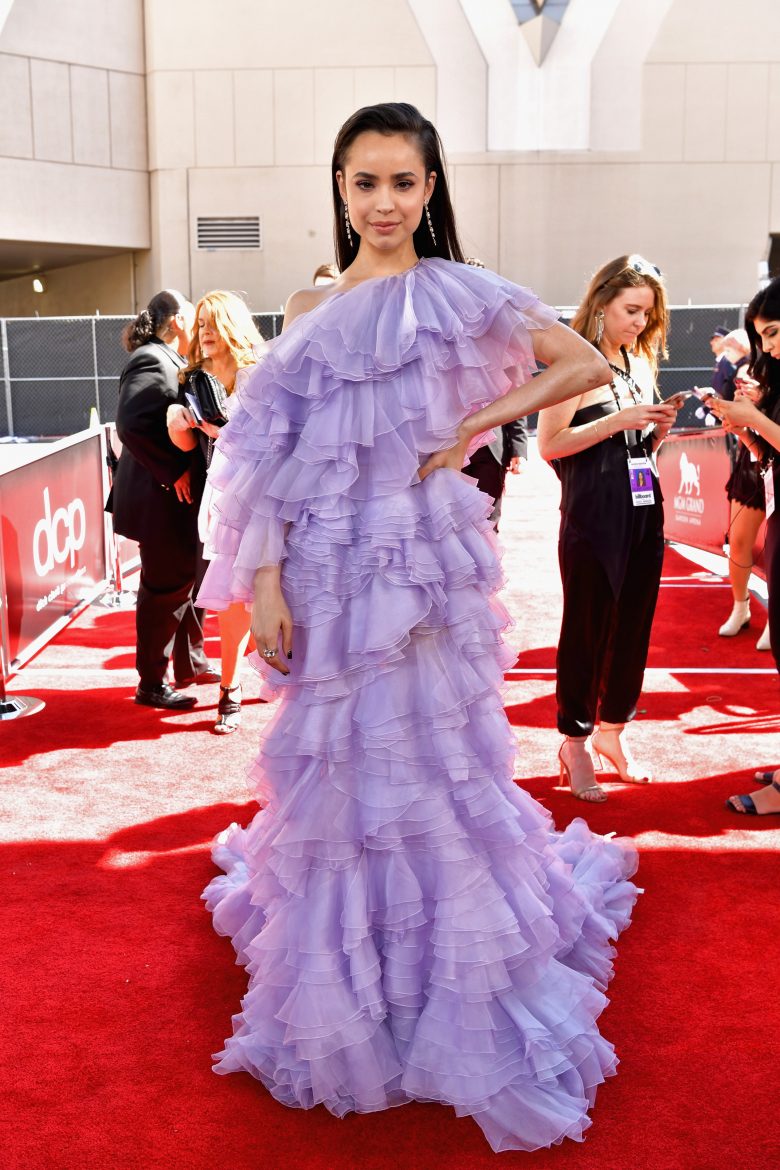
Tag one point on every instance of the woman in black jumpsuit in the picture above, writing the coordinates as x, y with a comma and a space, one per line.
602, 445
758, 427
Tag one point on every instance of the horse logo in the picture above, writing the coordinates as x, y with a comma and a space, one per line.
689, 476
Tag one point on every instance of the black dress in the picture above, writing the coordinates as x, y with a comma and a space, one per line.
610, 555
745, 485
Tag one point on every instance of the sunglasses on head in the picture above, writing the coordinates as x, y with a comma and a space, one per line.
636, 263
643, 267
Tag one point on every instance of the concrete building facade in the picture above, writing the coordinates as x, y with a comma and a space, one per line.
130, 132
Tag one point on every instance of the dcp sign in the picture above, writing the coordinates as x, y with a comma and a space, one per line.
58, 537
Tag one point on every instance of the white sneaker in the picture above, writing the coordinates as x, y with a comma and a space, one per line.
763, 642
739, 619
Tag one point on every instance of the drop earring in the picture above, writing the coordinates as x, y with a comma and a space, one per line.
599, 326
347, 225
430, 224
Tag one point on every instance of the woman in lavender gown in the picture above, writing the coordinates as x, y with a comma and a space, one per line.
412, 925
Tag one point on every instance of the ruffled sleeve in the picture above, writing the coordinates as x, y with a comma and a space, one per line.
349, 402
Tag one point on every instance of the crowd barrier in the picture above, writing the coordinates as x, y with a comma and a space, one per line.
57, 548
694, 467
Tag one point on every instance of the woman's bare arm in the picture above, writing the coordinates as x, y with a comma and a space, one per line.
180, 423
557, 438
573, 367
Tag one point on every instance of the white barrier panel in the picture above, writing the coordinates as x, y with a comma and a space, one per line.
53, 544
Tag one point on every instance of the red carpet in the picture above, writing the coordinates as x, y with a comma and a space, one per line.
116, 990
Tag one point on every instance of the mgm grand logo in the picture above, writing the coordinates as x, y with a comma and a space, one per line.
688, 499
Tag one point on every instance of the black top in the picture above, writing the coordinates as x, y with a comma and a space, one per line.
596, 501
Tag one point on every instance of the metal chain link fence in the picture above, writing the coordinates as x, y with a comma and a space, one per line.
55, 370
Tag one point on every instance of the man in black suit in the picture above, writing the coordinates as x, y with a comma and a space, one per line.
489, 465
155, 497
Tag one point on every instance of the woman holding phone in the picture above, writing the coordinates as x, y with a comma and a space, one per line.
757, 425
602, 443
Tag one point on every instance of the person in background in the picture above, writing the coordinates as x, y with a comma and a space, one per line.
611, 544
716, 341
225, 343
154, 500
733, 356
757, 425
325, 274
507, 451
745, 493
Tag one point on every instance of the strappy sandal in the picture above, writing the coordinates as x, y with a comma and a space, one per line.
765, 777
229, 710
628, 771
590, 793
748, 806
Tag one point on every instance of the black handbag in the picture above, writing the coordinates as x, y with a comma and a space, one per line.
206, 397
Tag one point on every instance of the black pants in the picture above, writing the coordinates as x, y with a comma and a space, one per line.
490, 476
772, 560
166, 621
602, 651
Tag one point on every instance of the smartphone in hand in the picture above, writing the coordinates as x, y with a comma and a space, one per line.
193, 406
676, 400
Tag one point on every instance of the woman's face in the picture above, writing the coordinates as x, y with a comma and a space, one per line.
769, 333
385, 188
627, 314
212, 345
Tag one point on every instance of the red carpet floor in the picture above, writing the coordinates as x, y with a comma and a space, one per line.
116, 990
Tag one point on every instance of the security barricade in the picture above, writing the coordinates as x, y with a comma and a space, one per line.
694, 467
53, 549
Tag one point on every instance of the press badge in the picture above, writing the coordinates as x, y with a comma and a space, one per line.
640, 477
769, 490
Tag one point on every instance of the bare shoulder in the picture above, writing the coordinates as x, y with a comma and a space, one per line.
303, 301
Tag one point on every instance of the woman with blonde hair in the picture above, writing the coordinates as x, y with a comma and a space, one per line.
225, 344
611, 548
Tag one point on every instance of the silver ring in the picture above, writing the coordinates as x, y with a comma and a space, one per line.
268, 653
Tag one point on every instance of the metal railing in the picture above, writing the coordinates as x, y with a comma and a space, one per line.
54, 371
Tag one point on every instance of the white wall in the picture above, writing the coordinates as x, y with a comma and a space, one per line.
73, 134
244, 125
649, 126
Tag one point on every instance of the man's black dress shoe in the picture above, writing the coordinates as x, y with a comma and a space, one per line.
205, 676
164, 696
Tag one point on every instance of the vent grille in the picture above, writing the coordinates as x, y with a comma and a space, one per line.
220, 233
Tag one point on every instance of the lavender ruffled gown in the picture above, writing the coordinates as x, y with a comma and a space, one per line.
412, 925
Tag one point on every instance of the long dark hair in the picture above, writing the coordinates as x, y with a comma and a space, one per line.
398, 118
762, 367
152, 320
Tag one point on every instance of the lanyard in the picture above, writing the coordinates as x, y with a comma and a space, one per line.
633, 389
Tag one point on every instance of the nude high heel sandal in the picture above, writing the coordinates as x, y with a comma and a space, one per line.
614, 752
591, 793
